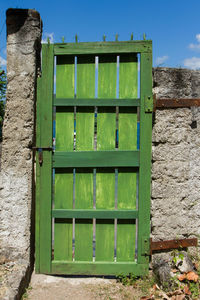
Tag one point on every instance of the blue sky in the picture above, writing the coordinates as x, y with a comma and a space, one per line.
172, 25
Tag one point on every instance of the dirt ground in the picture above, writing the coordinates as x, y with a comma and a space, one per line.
73, 288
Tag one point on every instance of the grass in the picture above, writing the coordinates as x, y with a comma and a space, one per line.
25, 295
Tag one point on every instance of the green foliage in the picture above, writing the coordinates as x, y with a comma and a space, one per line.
143, 284
194, 289
176, 256
2, 85
1, 112
127, 280
25, 295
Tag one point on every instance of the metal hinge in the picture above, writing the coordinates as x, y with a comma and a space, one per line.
145, 246
148, 104
149, 246
159, 246
40, 152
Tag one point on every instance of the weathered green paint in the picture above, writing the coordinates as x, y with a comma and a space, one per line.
103, 47
94, 213
105, 178
98, 268
126, 230
84, 142
96, 159
127, 159
63, 228
96, 102
65, 116
145, 156
44, 171
64, 142
38, 183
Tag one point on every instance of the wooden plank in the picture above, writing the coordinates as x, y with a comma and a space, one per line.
95, 102
84, 142
145, 157
63, 228
38, 178
103, 47
105, 178
98, 214
64, 142
44, 172
65, 117
127, 177
96, 159
99, 268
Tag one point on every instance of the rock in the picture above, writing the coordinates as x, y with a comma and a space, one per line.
2, 259
162, 271
184, 263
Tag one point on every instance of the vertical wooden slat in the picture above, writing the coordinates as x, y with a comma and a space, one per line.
63, 227
84, 142
126, 230
44, 171
105, 178
145, 157
38, 184
65, 116
64, 142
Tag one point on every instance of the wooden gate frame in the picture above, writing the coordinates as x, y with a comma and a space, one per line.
44, 159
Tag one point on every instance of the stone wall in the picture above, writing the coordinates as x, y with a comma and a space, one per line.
16, 184
175, 205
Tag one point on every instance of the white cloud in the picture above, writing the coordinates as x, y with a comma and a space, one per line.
196, 46
192, 63
48, 35
161, 60
3, 62
198, 37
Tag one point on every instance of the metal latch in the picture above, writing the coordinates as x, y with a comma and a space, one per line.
148, 104
40, 152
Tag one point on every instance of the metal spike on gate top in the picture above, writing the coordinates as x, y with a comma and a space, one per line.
144, 36
48, 40
76, 38
104, 38
63, 39
131, 36
116, 37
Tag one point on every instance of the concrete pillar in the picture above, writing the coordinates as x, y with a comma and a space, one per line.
175, 206
24, 29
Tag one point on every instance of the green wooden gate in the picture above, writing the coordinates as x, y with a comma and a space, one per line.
93, 189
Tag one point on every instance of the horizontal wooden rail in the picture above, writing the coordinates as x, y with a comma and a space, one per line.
87, 159
94, 213
103, 47
98, 268
95, 102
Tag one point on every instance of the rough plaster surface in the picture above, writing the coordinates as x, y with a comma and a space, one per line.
175, 207
16, 185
